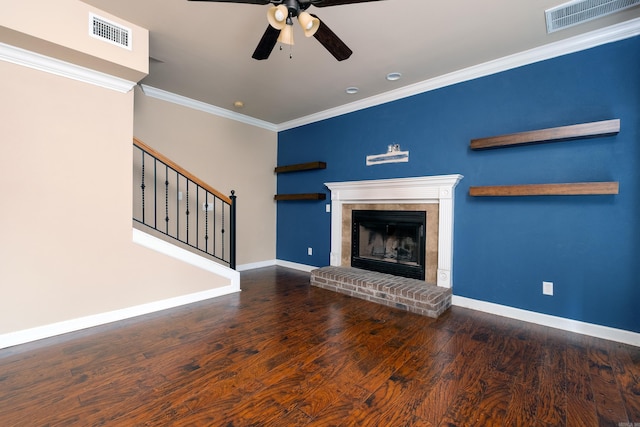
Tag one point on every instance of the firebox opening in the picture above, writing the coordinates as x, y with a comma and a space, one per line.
389, 242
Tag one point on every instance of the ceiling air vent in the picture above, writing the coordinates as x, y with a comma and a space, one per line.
109, 31
579, 11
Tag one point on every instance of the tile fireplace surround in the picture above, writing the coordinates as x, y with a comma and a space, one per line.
437, 190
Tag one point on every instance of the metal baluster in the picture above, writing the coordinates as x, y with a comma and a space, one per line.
155, 193
187, 211
206, 222
166, 198
197, 216
142, 186
222, 233
177, 205
215, 233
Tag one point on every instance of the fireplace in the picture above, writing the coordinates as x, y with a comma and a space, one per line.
431, 194
389, 242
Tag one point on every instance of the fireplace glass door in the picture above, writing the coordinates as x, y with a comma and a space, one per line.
389, 242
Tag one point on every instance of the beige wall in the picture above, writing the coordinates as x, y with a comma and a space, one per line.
227, 154
60, 29
66, 249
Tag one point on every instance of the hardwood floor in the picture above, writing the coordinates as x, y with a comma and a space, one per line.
282, 353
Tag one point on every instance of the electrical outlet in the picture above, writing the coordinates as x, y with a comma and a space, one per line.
547, 288
309, 251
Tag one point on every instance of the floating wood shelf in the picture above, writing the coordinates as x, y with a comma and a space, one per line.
305, 196
570, 189
563, 133
301, 167
296, 168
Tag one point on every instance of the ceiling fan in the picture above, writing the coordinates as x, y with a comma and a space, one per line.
280, 28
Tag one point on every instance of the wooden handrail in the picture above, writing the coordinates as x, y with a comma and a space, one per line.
180, 170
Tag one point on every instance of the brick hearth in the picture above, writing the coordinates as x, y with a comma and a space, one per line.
411, 295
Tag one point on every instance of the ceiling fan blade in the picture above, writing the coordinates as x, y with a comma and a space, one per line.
332, 42
325, 3
238, 1
266, 44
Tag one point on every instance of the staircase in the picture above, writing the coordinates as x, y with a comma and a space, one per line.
177, 206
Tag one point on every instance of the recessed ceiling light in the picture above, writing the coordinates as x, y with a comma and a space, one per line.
238, 104
352, 90
392, 77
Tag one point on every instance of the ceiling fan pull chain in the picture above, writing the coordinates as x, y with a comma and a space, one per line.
290, 51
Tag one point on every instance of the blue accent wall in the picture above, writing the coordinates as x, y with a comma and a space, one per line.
504, 247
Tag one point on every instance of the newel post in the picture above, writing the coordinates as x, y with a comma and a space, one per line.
232, 226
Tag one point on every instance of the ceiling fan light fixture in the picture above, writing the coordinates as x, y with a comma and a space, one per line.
277, 16
286, 35
308, 23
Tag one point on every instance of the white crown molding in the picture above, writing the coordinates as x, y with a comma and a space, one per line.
585, 41
578, 43
207, 108
598, 331
55, 66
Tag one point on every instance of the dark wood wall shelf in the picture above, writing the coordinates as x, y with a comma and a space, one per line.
301, 167
297, 168
565, 189
563, 133
305, 196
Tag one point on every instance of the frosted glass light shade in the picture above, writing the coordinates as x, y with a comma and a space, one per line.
308, 23
277, 15
286, 35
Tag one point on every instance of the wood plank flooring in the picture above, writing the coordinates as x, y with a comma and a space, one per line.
283, 353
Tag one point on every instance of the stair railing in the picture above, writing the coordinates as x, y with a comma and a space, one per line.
174, 202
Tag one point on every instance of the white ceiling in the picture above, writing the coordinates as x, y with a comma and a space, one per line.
205, 48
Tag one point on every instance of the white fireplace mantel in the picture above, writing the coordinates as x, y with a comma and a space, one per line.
429, 189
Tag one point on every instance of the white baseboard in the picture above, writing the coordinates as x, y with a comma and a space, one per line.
276, 262
151, 242
598, 331
59, 328
295, 265
254, 265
